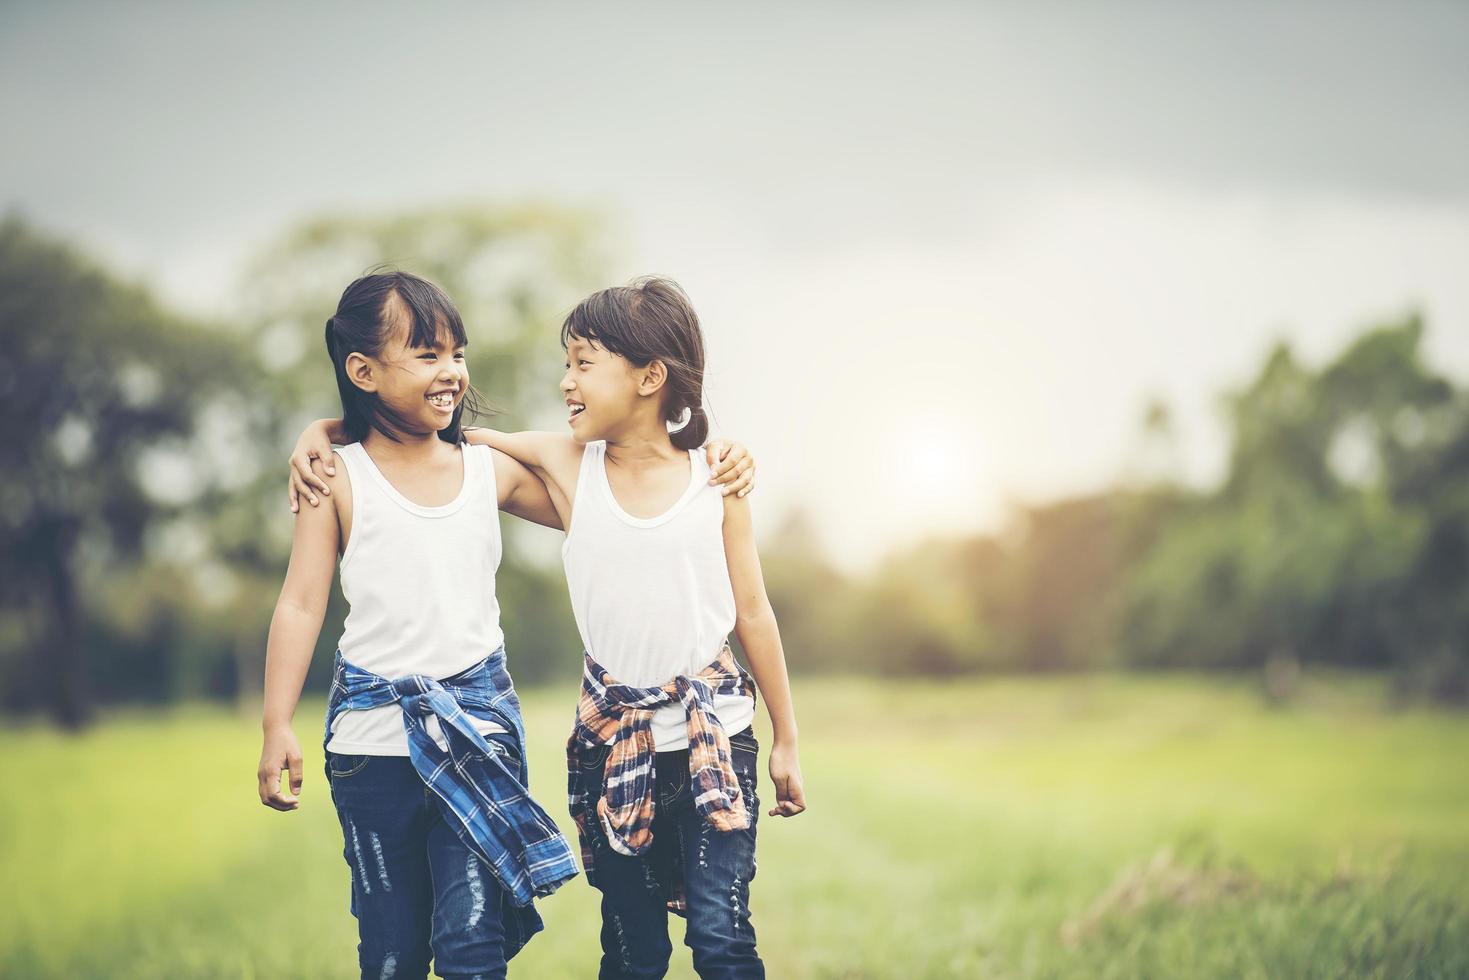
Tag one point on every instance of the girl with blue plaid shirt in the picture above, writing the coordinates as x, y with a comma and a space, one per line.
424, 742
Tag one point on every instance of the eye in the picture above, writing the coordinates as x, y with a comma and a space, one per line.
427, 354
459, 354
582, 363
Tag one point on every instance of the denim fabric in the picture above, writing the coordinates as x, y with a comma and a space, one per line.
711, 870
492, 810
480, 794
418, 891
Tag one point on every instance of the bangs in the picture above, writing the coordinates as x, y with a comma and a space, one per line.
606, 319
431, 314
576, 327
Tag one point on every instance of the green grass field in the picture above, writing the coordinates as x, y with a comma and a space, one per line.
1080, 827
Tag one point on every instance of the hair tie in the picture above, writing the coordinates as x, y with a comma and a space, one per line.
684, 418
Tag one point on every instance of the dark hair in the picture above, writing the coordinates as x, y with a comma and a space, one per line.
363, 324
651, 319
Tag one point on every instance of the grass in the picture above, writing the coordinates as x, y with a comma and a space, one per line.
1076, 827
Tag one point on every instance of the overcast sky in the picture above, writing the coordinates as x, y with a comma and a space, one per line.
943, 252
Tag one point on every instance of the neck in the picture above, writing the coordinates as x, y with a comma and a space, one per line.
642, 445
413, 445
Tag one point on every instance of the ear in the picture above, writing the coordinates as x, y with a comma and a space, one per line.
652, 378
361, 371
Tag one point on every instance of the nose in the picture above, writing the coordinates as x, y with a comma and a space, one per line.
568, 384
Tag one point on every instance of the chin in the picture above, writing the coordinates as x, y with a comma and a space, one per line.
584, 434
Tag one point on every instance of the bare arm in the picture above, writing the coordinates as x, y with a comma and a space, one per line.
293, 632
759, 634
552, 458
533, 449
523, 494
730, 463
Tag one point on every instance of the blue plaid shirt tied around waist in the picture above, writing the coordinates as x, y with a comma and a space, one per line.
487, 804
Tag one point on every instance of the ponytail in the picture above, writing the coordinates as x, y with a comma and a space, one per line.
692, 433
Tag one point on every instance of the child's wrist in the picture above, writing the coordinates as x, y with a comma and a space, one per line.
785, 740
275, 723
330, 428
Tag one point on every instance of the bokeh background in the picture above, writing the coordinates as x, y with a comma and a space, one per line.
1108, 371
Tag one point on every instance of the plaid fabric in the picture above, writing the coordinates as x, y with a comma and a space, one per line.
609, 712
489, 806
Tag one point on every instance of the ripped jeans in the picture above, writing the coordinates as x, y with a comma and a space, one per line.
417, 891
713, 868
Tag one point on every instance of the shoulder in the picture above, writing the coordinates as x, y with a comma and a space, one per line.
348, 458
352, 452
336, 505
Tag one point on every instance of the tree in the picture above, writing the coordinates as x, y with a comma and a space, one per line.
96, 382
1339, 534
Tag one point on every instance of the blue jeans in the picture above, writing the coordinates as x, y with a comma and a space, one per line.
715, 868
417, 891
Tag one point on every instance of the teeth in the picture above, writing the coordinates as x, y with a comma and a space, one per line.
443, 399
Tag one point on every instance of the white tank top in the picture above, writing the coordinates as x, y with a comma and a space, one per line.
652, 596
421, 585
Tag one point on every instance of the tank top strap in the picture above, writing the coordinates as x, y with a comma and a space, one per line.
585, 496
699, 465
587, 478
366, 505
351, 455
480, 467
366, 491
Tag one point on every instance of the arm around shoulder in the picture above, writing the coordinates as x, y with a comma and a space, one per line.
523, 493
534, 449
553, 456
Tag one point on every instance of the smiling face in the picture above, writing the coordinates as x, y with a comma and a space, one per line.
397, 347
601, 390
635, 363
421, 385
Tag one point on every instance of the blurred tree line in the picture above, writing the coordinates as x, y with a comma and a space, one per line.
1338, 536
145, 529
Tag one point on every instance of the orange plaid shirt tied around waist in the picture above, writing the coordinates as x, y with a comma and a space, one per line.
616, 714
